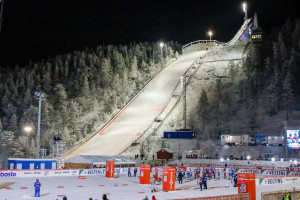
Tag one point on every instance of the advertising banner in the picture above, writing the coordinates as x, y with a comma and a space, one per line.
293, 139
110, 169
278, 180
145, 174
246, 184
266, 172
168, 179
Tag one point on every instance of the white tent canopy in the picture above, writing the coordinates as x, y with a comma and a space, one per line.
99, 160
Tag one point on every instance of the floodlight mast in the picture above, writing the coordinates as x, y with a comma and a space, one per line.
40, 97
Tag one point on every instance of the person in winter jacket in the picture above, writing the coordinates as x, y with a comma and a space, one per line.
180, 176
286, 196
135, 171
153, 198
37, 187
201, 183
235, 180
129, 172
205, 182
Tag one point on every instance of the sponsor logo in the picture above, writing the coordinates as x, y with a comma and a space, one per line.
62, 172
276, 173
249, 171
274, 181
8, 174
32, 173
90, 172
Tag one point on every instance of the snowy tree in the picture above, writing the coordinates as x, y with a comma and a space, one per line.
289, 93
133, 68
85, 88
203, 111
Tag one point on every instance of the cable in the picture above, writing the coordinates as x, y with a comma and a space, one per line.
1, 12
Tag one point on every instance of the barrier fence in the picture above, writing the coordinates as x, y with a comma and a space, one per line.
244, 196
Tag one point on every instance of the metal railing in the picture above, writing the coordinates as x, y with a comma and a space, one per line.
199, 45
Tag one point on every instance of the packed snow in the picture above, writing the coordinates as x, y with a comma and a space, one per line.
127, 188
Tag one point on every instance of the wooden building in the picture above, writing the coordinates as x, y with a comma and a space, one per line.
164, 154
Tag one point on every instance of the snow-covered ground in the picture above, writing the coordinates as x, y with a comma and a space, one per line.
118, 188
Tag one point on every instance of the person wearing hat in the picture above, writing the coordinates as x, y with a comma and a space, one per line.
286, 196
37, 186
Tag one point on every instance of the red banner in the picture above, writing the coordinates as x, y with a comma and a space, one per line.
145, 174
246, 184
110, 169
169, 179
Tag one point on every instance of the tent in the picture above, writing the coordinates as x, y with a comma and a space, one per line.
85, 161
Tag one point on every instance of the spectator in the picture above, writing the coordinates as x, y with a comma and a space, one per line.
104, 197
180, 176
65, 198
286, 196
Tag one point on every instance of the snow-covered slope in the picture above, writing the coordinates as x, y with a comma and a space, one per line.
130, 123
213, 65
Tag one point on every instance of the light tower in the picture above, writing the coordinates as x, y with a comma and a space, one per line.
40, 97
161, 50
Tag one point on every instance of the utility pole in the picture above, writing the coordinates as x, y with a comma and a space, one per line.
285, 136
183, 80
40, 97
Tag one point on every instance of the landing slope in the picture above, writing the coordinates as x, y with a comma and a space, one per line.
139, 114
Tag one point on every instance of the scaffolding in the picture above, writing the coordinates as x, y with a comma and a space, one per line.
57, 150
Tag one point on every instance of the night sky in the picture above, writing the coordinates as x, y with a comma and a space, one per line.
37, 29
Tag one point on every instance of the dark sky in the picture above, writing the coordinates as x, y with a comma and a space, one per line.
36, 29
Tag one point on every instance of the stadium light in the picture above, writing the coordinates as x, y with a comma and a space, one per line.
295, 161
291, 161
245, 10
227, 158
222, 159
161, 45
248, 157
273, 159
210, 34
281, 159
27, 129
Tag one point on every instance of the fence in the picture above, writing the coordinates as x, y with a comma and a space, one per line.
295, 194
199, 45
244, 196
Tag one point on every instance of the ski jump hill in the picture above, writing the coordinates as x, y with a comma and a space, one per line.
134, 123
